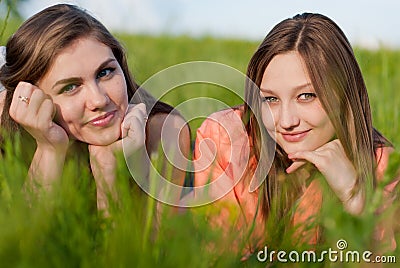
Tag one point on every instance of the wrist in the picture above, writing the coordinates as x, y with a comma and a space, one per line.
52, 153
355, 201
47, 165
103, 163
57, 149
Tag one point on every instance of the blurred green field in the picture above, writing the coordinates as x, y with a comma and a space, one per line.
62, 229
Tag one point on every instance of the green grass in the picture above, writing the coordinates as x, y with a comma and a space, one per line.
63, 229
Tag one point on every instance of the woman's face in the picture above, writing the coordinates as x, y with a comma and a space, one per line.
88, 88
299, 122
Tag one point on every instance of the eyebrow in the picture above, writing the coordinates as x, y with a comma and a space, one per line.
79, 79
297, 88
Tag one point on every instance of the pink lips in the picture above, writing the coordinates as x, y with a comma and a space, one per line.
295, 136
103, 120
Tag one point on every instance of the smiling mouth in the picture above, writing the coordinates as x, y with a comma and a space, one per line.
295, 137
103, 120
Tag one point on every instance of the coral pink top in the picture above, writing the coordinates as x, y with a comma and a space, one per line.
221, 157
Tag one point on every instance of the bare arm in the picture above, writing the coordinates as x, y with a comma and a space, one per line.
103, 159
34, 111
331, 160
46, 167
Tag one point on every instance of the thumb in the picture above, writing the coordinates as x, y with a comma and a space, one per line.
134, 111
294, 166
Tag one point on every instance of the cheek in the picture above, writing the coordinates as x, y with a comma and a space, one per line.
119, 95
68, 113
267, 116
316, 116
321, 122
328, 129
268, 121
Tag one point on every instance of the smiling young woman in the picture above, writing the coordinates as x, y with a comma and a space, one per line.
299, 121
306, 115
68, 86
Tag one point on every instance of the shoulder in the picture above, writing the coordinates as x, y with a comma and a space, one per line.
158, 121
382, 160
227, 115
167, 126
223, 134
224, 122
382, 155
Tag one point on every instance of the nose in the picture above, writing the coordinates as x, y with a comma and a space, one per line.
288, 116
97, 98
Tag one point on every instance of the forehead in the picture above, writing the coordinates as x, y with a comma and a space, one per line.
86, 47
78, 59
285, 71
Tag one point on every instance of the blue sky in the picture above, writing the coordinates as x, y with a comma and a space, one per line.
366, 22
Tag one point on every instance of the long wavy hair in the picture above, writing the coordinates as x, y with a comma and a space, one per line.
31, 50
339, 85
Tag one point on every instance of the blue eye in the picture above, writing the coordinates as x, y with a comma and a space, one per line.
306, 97
270, 99
105, 72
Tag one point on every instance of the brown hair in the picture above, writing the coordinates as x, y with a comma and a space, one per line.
339, 85
34, 46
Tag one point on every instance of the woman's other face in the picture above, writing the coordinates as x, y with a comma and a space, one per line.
88, 88
299, 122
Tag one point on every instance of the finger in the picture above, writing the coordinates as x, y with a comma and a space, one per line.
134, 119
18, 106
53, 115
310, 156
39, 111
138, 110
36, 100
294, 166
330, 145
141, 106
45, 114
135, 126
135, 135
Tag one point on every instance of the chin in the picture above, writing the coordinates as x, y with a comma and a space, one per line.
290, 150
103, 139
293, 148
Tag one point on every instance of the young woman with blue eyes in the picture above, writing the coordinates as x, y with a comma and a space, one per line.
305, 92
67, 79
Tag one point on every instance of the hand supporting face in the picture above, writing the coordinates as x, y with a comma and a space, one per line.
34, 111
132, 136
103, 158
332, 161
